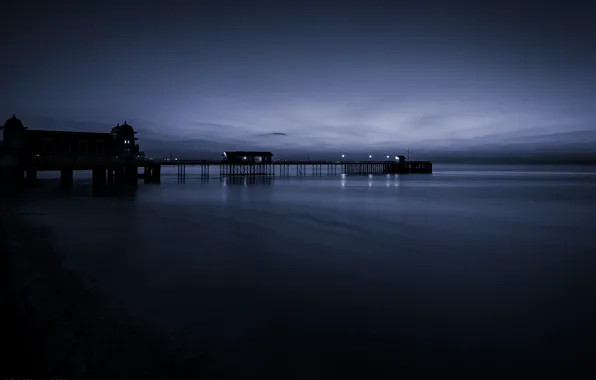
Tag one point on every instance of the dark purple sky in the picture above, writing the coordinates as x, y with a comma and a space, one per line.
440, 77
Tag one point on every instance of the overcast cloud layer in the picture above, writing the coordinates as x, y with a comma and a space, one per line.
442, 78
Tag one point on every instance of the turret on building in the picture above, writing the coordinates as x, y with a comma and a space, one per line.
125, 142
13, 134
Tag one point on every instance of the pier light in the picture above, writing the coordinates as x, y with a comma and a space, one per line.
387, 156
343, 155
370, 156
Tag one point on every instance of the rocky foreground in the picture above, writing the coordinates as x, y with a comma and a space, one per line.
54, 326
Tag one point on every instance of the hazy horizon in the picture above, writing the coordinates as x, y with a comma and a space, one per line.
451, 82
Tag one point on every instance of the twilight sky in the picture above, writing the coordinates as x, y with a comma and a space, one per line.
445, 78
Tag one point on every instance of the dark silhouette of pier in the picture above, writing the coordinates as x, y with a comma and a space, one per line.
114, 159
293, 168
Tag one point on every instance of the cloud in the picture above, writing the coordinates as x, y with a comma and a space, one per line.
381, 122
428, 121
271, 134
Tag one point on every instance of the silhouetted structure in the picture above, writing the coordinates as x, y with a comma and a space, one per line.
115, 158
125, 142
112, 154
34, 145
248, 157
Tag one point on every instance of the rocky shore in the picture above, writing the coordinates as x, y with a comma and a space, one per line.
55, 326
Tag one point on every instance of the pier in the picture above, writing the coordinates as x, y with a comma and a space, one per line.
107, 173
114, 158
298, 168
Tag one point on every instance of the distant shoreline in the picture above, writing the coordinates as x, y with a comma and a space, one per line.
512, 162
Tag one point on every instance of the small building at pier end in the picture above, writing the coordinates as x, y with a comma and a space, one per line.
51, 145
248, 157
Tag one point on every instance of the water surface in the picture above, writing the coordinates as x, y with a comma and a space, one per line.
470, 266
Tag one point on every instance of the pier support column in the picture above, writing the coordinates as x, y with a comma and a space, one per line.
156, 174
66, 177
31, 175
99, 177
130, 174
119, 175
110, 176
12, 175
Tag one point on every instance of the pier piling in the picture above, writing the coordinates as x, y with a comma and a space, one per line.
99, 177
156, 174
31, 175
66, 177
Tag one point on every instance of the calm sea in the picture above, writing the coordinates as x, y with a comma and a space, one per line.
323, 277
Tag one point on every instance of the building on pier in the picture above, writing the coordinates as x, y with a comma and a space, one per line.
125, 145
30, 144
248, 157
